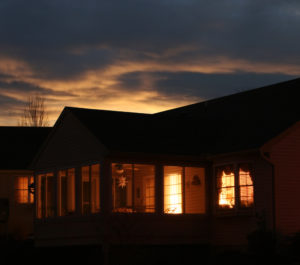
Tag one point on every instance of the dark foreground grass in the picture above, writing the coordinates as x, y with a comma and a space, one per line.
20, 252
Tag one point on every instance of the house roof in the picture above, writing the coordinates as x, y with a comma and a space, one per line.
232, 123
241, 121
122, 131
19, 145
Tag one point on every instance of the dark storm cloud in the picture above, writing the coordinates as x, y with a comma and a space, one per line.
6, 102
62, 39
20, 86
202, 86
5, 76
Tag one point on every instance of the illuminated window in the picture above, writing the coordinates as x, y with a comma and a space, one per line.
90, 179
229, 192
173, 189
66, 192
133, 188
46, 195
184, 190
226, 187
150, 195
246, 186
22, 192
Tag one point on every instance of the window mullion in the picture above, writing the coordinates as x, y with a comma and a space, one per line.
132, 185
183, 189
46, 196
237, 187
90, 190
28, 193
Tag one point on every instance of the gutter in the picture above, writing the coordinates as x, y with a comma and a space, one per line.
266, 156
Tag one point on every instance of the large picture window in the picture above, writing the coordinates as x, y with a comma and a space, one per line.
90, 182
184, 190
234, 186
133, 188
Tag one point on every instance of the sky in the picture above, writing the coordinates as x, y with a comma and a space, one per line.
141, 55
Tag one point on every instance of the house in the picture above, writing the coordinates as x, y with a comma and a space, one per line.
18, 148
205, 173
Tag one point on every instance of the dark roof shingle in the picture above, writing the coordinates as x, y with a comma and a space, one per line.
19, 145
236, 122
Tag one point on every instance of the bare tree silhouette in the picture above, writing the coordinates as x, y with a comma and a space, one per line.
34, 113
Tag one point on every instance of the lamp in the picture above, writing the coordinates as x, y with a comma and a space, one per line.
196, 180
119, 168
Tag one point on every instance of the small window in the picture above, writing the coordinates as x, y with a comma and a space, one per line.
234, 186
22, 191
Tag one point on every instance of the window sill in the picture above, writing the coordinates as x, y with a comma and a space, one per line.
235, 212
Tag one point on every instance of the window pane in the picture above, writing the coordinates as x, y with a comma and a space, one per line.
246, 186
194, 190
246, 196
71, 190
50, 195
225, 187
43, 196
144, 186
62, 192
31, 195
122, 187
21, 189
133, 187
95, 188
173, 189
85, 183
46, 195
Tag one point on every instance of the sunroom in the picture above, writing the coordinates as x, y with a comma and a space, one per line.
133, 188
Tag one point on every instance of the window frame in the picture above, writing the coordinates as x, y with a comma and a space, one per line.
90, 187
183, 188
73, 190
30, 196
39, 194
237, 209
133, 163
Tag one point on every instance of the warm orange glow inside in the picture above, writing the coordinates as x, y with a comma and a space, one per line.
22, 194
31, 195
226, 190
173, 193
246, 188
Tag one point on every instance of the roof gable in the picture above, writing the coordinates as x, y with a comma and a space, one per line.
69, 143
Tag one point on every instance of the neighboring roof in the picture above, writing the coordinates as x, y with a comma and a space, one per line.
236, 122
19, 145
